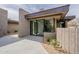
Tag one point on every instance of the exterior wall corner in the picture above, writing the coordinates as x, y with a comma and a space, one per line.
24, 24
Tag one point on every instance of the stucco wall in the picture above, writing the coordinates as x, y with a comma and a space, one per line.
24, 24
73, 23
12, 28
3, 22
48, 35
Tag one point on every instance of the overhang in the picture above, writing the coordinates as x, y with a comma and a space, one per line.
68, 18
62, 11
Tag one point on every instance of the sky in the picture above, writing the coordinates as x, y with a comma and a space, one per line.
13, 9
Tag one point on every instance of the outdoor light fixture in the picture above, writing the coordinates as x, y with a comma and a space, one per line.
26, 17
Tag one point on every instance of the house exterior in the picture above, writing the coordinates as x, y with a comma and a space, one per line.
42, 21
12, 27
3, 22
7, 26
73, 23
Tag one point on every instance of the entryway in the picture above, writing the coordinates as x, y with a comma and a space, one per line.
36, 27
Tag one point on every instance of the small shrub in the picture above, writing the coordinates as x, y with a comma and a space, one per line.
8, 32
15, 31
48, 40
53, 41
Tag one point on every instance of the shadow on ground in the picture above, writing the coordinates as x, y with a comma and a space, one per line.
9, 40
6, 40
34, 38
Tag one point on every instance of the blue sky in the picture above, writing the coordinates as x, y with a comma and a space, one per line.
13, 9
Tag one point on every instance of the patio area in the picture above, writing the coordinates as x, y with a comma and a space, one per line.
12, 44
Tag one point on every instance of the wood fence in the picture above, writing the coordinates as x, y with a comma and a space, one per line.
69, 39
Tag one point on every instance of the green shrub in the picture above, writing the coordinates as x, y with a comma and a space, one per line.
53, 41
16, 31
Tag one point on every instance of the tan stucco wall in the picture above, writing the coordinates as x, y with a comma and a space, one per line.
24, 24
73, 23
12, 28
48, 35
3, 22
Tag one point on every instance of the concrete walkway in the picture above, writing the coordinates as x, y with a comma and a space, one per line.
28, 45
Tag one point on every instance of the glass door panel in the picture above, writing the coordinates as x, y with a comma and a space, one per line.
36, 27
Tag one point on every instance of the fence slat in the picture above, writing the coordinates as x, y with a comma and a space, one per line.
66, 39
69, 39
59, 35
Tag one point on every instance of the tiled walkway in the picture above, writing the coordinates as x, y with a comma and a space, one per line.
27, 45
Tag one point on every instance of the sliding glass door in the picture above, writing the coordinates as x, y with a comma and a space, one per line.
33, 27
36, 27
